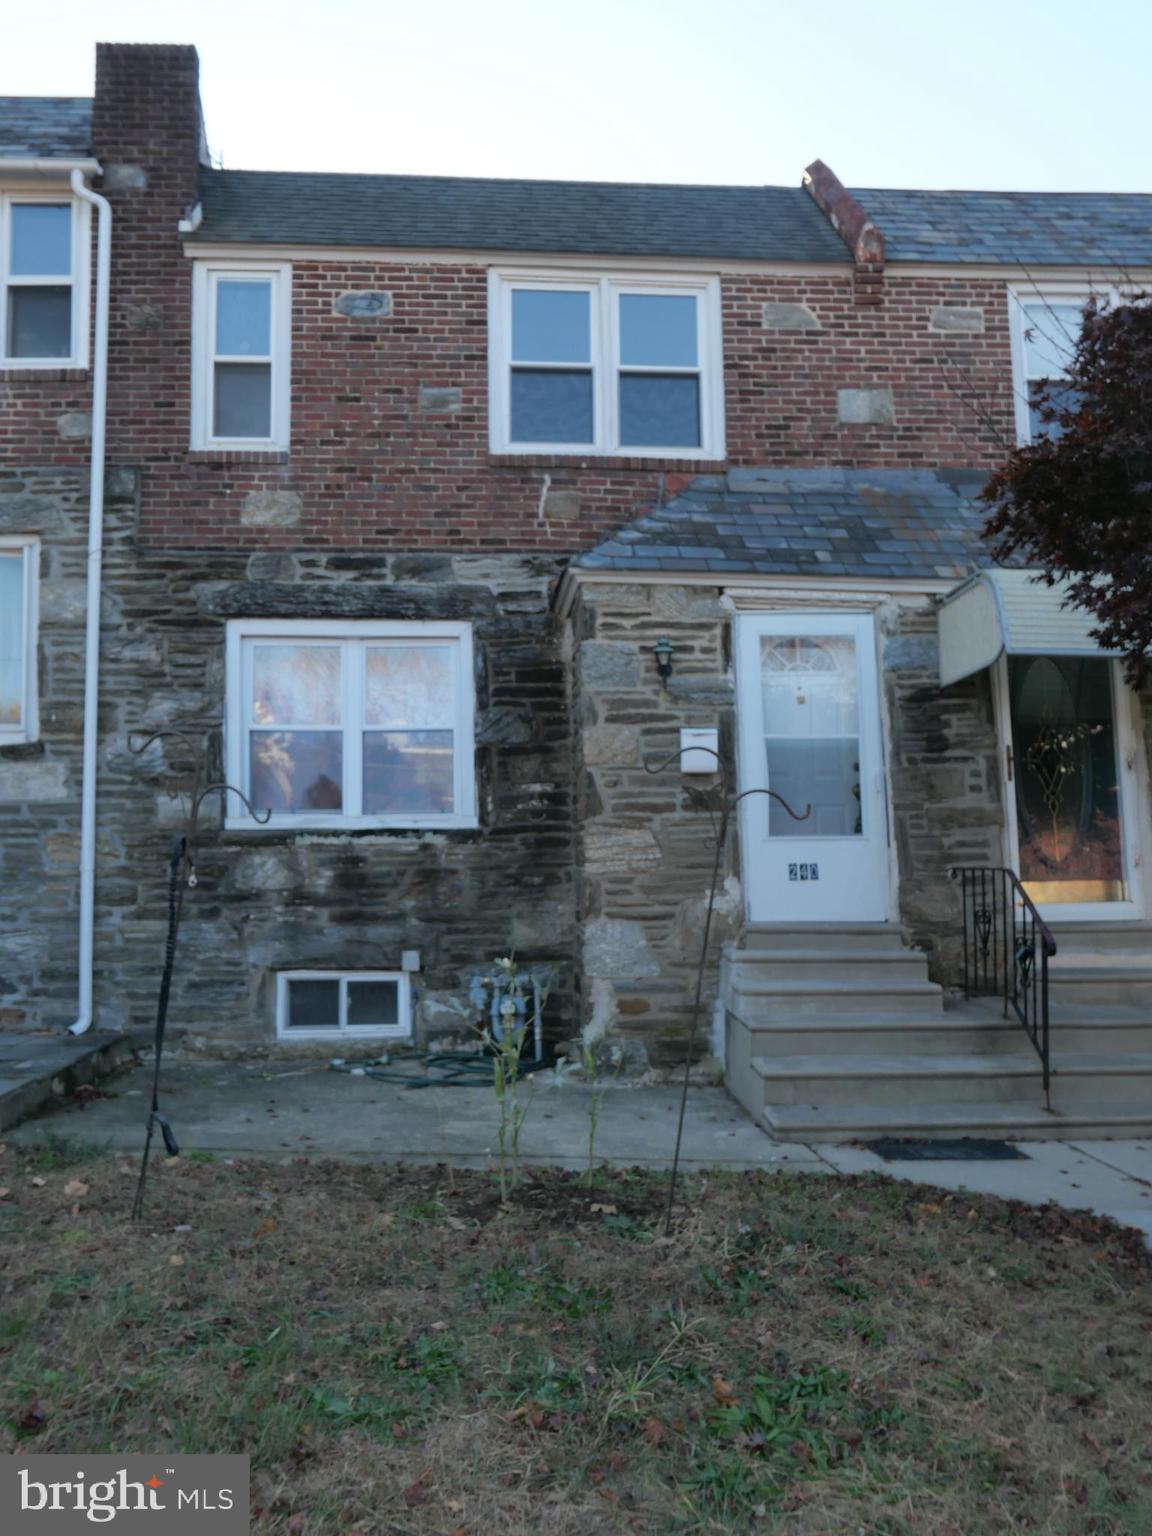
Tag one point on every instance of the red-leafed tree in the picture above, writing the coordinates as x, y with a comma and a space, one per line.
1077, 502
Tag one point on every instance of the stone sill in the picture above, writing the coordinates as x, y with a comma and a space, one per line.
10, 374
238, 456
605, 462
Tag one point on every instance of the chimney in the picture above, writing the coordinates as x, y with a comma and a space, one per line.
147, 126
854, 227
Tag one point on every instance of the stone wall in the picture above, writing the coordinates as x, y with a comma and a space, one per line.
645, 845
267, 901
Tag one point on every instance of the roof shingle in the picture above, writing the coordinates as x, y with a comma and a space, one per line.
44, 127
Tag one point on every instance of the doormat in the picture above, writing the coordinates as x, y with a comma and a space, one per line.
964, 1149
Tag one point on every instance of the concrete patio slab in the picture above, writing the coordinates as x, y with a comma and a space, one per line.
282, 1110
35, 1070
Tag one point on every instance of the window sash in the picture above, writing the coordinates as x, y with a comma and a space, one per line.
402, 1029
25, 552
74, 280
355, 639
1027, 308
206, 280
606, 367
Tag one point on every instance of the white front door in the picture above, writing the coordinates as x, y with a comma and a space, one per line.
1072, 786
808, 709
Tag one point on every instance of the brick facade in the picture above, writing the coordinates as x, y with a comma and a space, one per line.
390, 504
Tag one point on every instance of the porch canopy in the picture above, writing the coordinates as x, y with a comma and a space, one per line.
1011, 612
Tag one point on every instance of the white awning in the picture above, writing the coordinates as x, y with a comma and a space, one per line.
1002, 611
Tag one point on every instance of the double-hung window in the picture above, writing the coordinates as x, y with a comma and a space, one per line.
43, 317
1045, 330
241, 386
606, 365
351, 723
19, 571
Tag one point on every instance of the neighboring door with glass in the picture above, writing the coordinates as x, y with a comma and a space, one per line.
1071, 785
809, 728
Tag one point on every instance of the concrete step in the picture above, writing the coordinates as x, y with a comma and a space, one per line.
1016, 1119
760, 1000
824, 936
1106, 978
1094, 937
831, 964
36, 1070
914, 1034
1122, 1081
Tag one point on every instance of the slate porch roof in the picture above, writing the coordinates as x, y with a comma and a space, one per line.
913, 524
44, 127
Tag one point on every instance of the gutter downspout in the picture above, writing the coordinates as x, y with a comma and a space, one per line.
103, 208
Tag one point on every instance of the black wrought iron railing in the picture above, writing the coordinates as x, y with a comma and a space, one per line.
1007, 947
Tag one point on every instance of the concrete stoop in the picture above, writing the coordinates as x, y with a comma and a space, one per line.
836, 1033
38, 1070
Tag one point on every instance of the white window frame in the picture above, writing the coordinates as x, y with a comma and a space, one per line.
206, 276
1018, 300
458, 636
401, 1030
604, 288
77, 280
29, 727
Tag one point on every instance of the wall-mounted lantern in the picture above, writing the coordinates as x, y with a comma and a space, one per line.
664, 651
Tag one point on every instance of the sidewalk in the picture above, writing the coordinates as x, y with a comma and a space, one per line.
281, 1110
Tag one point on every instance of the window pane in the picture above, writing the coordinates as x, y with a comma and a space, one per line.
1050, 334
41, 240
822, 774
243, 319
658, 330
551, 327
408, 686
406, 772
373, 1003
39, 322
243, 403
659, 410
314, 1004
810, 702
296, 684
551, 407
11, 637
1062, 399
296, 771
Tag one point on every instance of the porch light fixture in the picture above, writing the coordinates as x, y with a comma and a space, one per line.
664, 651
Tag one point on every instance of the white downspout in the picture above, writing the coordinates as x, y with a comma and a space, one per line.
93, 597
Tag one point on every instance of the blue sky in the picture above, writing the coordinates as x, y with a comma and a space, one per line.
1026, 94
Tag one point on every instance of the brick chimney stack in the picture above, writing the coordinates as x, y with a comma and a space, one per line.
147, 125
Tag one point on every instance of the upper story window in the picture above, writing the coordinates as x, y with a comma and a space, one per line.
242, 321
348, 723
43, 316
1045, 330
607, 365
19, 571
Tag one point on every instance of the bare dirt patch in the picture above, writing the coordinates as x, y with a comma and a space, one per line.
402, 1357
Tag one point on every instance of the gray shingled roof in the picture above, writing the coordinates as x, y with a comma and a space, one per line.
467, 213
914, 524
1035, 229
43, 127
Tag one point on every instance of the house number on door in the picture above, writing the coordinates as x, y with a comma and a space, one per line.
803, 871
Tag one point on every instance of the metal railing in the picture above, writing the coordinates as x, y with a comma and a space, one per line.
1007, 947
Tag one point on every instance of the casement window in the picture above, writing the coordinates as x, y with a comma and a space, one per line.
606, 365
351, 723
241, 343
19, 576
1045, 329
324, 1005
43, 281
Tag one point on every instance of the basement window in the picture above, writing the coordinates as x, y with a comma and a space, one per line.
43, 270
613, 364
325, 1005
19, 570
241, 338
346, 723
